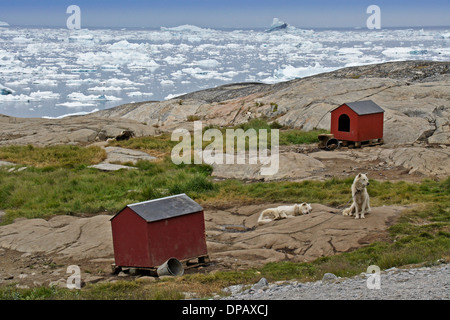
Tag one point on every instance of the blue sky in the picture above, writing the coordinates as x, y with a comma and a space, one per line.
226, 13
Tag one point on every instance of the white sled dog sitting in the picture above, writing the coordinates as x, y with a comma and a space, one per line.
360, 204
282, 212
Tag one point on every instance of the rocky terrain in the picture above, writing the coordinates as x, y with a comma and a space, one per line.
423, 283
37, 251
414, 95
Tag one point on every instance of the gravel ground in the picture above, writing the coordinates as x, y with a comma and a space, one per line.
425, 283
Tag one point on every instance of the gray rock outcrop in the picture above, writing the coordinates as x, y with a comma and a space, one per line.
414, 94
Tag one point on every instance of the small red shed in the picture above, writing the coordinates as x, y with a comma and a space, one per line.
147, 234
357, 121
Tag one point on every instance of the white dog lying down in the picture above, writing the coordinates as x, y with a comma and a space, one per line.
360, 197
283, 212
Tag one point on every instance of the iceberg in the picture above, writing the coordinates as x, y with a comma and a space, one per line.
290, 72
184, 28
76, 104
78, 96
277, 24
80, 37
418, 52
34, 96
4, 91
81, 113
40, 95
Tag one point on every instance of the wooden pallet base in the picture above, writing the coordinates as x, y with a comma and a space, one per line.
187, 264
360, 144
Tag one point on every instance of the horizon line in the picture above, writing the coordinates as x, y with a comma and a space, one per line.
219, 28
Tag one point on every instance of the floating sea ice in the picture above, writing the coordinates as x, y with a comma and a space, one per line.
78, 96
84, 70
34, 96
21, 82
277, 24
139, 94
81, 37
81, 113
166, 82
103, 88
185, 28
402, 52
177, 74
149, 64
45, 82
290, 72
5, 91
79, 82
119, 82
39, 95
178, 59
174, 95
418, 52
76, 104
207, 63
11, 98
110, 67
21, 39
124, 45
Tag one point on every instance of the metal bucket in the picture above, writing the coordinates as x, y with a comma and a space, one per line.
172, 267
332, 144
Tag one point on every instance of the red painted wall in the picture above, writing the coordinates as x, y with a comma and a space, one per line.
129, 239
138, 243
370, 126
181, 237
348, 136
362, 128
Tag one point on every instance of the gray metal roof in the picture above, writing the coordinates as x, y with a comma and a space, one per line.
363, 107
164, 208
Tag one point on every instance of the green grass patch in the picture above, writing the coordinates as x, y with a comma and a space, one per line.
162, 145
409, 243
120, 290
43, 192
58, 181
46, 191
59, 156
294, 136
155, 145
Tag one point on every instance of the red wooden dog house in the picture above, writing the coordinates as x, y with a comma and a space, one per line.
357, 122
146, 234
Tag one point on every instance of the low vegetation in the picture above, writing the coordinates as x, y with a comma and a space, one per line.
162, 144
57, 180
60, 156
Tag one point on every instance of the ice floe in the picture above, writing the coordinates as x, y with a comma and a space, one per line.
74, 68
81, 113
78, 96
277, 24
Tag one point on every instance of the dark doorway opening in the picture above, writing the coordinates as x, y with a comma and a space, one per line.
344, 123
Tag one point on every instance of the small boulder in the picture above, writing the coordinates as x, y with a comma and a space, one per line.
329, 277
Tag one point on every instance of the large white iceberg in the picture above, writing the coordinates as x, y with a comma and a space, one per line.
4, 91
184, 28
277, 24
